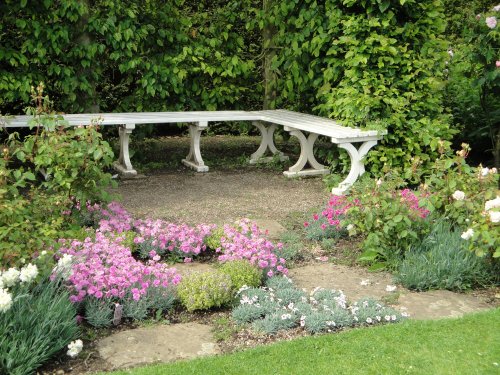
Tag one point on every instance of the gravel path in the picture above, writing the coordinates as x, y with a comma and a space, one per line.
221, 196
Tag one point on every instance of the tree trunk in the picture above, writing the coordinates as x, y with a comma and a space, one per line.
269, 53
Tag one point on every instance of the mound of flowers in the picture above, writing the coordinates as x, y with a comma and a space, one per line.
245, 241
104, 268
118, 270
280, 305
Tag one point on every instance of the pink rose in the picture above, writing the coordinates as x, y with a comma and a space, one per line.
498, 63
491, 22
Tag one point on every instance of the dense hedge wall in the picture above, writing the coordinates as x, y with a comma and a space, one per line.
369, 63
124, 55
374, 63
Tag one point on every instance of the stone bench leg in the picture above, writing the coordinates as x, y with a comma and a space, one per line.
194, 160
266, 142
123, 165
357, 164
306, 156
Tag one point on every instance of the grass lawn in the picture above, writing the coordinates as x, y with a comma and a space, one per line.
468, 345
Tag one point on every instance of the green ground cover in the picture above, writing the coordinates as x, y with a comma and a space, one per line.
467, 345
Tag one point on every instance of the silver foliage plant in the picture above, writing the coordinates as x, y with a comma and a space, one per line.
280, 305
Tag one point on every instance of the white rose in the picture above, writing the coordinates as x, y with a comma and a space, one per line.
494, 203
485, 171
467, 235
495, 216
458, 195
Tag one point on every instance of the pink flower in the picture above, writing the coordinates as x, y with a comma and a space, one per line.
497, 63
188, 260
491, 22
306, 224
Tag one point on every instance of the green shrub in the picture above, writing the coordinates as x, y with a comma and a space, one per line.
442, 261
242, 273
391, 220
40, 323
201, 291
213, 241
42, 174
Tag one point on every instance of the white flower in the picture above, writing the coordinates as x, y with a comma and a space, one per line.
493, 171
64, 266
5, 300
450, 52
379, 182
378, 317
494, 203
365, 282
1, 281
393, 317
302, 320
74, 348
491, 22
467, 235
485, 171
28, 273
349, 227
495, 216
10, 277
496, 8
369, 320
458, 195
390, 288
286, 316
387, 317
43, 253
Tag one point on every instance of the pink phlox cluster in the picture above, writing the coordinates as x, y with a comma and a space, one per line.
336, 208
106, 269
164, 236
112, 218
409, 198
245, 242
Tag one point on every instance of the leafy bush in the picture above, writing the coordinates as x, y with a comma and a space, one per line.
213, 241
442, 261
200, 291
357, 62
39, 324
41, 176
242, 273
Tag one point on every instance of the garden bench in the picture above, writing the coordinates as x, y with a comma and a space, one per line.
266, 121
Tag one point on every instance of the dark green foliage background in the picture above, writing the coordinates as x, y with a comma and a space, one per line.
370, 63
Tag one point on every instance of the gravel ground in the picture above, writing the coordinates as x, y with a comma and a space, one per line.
221, 196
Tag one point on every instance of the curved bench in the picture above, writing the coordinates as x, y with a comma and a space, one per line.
266, 121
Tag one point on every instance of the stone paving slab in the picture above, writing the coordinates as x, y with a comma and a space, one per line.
157, 344
273, 228
358, 282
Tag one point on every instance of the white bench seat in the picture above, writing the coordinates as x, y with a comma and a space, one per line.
266, 121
